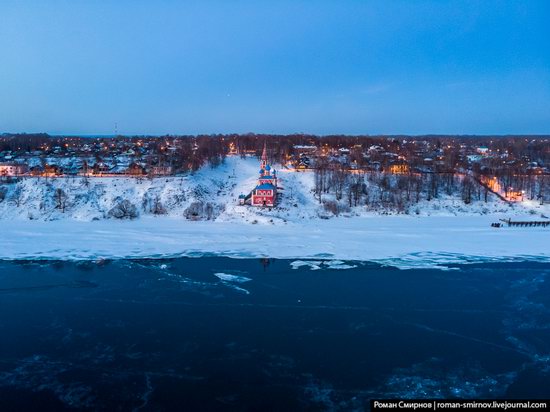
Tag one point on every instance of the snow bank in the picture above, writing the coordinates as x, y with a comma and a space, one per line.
394, 240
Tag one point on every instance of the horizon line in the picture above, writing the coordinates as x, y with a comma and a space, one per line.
100, 135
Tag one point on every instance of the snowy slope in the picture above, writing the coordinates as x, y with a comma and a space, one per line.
215, 188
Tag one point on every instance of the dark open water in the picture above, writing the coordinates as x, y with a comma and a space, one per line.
170, 335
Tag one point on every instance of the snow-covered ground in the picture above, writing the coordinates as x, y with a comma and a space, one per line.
398, 240
439, 232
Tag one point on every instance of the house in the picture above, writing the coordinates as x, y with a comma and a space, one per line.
515, 195
101, 168
36, 171
399, 168
474, 158
136, 169
52, 170
303, 163
309, 149
265, 193
13, 169
160, 170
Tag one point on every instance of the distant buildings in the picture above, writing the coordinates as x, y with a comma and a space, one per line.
305, 148
474, 158
161, 170
516, 162
52, 170
399, 168
13, 169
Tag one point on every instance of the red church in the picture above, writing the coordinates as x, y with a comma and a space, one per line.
265, 193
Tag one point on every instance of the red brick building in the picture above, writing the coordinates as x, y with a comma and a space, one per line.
265, 193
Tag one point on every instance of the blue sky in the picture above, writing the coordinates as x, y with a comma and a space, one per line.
354, 67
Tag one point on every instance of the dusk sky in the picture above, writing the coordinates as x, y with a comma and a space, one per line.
323, 67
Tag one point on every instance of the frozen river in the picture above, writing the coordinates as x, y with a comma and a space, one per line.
230, 334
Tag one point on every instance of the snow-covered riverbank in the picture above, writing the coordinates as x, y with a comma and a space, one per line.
212, 194
443, 230
400, 240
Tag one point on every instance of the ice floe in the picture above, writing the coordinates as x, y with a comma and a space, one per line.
232, 278
320, 264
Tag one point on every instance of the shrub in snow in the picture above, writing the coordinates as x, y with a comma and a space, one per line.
158, 208
194, 211
124, 209
209, 211
3, 193
331, 206
200, 211
334, 207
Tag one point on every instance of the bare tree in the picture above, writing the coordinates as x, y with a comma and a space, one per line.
17, 196
124, 209
60, 199
321, 178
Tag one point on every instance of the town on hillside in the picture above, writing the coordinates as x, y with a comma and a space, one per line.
515, 168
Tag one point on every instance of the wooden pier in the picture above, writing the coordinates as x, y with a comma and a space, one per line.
529, 223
